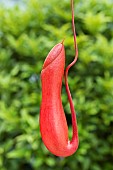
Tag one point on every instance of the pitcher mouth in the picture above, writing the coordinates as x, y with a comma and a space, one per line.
53, 54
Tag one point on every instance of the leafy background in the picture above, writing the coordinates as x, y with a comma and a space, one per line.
27, 33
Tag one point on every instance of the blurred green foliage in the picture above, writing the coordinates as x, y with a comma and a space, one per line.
26, 36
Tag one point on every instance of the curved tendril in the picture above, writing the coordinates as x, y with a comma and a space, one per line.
74, 123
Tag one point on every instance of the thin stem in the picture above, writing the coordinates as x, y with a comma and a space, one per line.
73, 28
74, 123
